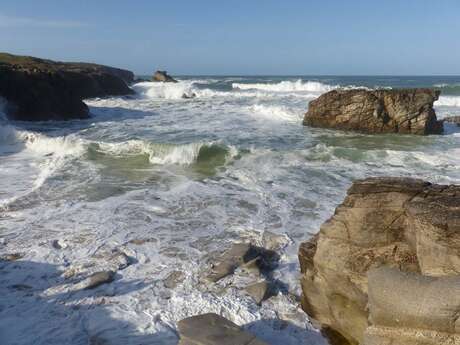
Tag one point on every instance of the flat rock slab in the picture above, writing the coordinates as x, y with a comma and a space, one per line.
96, 279
212, 329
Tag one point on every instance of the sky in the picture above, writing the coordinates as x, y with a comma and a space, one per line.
241, 37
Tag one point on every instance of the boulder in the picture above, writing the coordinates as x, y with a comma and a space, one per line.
212, 329
404, 223
95, 279
405, 111
163, 76
37, 89
242, 254
260, 291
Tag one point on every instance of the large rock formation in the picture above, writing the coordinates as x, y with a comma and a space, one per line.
407, 224
38, 89
407, 111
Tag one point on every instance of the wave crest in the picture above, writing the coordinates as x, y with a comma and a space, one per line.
286, 86
165, 90
448, 101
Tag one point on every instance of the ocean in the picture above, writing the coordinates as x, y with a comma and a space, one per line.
172, 182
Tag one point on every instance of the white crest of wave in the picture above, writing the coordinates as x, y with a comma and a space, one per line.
161, 154
164, 90
275, 112
448, 101
286, 86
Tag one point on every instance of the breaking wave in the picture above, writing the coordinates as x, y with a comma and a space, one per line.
448, 101
275, 112
286, 86
181, 89
166, 154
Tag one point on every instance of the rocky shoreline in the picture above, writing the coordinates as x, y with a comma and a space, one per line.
38, 89
394, 276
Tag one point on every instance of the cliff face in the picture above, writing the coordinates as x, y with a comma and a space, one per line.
406, 111
411, 229
38, 89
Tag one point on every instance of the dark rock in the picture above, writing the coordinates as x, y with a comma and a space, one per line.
189, 96
405, 111
404, 223
164, 77
212, 329
38, 89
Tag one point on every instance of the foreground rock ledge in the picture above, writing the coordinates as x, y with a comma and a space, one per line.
412, 229
405, 111
212, 329
37, 89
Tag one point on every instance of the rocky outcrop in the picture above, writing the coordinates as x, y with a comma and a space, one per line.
405, 111
163, 76
406, 224
212, 329
37, 89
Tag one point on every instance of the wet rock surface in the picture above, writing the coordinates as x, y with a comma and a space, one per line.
38, 89
405, 111
163, 76
401, 223
212, 329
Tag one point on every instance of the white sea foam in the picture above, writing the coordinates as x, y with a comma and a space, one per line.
164, 90
448, 101
275, 112
286, 86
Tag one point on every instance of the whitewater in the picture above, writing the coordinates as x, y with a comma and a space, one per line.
171, 182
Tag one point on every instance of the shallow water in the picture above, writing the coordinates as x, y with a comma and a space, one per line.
190, 177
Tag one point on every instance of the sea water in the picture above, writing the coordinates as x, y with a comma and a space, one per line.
172, 182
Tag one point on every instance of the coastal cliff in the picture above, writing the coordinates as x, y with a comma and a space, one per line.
405, 111
37, 89
385, 269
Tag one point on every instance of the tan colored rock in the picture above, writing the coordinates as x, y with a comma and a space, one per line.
259, 291
402, 223
212, 329
407, 111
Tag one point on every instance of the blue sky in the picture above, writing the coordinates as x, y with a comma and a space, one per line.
342, 37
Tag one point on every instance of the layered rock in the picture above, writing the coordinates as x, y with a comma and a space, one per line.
406, 224
406, 111
37, 89
163, 76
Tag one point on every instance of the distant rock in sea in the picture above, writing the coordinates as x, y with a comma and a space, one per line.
163, 76
385, 268
405, 111
37, 89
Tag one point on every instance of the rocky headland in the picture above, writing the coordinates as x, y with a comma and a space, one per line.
405, 111
385, 269
38, 89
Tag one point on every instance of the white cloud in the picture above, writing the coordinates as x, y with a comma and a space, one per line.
13, 21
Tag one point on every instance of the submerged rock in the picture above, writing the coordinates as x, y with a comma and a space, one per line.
404, 223
173, 279
163, 76
212, 329
405, 111
37, 89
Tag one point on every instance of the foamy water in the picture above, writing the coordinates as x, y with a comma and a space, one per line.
170, 182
